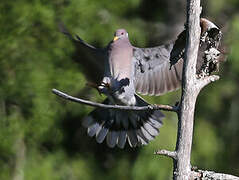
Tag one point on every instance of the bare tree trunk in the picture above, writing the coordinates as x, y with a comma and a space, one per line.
191, 86
182, 167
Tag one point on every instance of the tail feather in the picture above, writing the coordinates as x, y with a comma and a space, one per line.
124, 122
146, 134
142, 138
142, 141
132, 138
151, 130
112, 138
117, 126
133, 120
93, 129
122, 139
102, 132
155, 123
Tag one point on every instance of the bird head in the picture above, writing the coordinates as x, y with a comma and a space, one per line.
120, 34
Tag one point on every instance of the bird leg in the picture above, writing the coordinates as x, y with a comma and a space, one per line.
104, 87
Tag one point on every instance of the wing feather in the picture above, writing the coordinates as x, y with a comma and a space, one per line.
158, 70
87, 56
153, 75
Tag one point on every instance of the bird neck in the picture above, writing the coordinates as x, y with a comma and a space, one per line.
121, 43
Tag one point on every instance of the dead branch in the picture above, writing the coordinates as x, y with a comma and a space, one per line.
127, 108
211, 175
163, 152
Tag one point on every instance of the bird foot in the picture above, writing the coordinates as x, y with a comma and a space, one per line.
105, 85
104, 88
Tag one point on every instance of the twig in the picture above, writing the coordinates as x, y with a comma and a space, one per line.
128, 108
163, 152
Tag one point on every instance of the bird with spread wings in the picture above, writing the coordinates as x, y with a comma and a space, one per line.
121, 71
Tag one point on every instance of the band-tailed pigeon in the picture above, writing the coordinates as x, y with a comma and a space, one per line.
121, 70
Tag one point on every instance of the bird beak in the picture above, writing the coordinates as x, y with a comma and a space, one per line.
115, 38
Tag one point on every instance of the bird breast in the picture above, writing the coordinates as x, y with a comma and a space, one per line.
120, 61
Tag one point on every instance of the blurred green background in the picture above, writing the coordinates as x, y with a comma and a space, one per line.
41, 135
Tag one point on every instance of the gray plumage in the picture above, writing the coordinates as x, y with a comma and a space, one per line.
121, 70
151, 66
153, 75
101, 133
92, 129
132, 138
122, 139
112, 138
118, 84
152, 72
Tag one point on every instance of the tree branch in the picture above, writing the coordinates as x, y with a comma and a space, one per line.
163, 152
127, 108
211, 175
202, 82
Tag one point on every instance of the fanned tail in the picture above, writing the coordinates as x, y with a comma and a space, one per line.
118, 127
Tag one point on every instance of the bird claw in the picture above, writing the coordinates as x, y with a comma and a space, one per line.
105, 85
104, 88
152, 106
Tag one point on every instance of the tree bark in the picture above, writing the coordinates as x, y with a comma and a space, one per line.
191, 86
182, 167
211, 175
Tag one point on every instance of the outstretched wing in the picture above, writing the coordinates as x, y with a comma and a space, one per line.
153, 72
158, 70
90, 58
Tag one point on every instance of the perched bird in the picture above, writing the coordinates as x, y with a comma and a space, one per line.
120, 71
118, 84
117, 126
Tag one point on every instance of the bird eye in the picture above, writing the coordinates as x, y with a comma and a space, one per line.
122, 33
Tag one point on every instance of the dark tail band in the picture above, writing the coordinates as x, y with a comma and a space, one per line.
117, 126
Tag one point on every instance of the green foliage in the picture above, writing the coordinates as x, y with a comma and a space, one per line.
206, 157
35, 58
